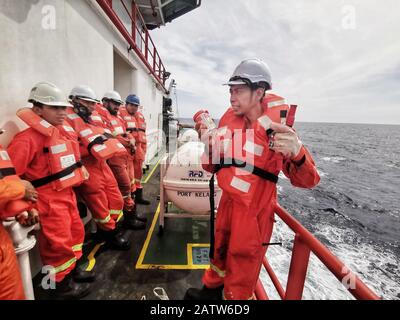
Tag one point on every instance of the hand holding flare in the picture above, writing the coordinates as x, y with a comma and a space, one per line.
285, 140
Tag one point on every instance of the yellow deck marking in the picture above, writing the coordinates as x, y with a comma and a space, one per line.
189, 266
147, 241
91, 258
152, 171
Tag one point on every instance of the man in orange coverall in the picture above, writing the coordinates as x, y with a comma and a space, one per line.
100, 192
48, 157
249, 134
122, 167
12, 190
136, 123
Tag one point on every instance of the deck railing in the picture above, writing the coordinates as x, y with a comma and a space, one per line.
304, 244
138, 36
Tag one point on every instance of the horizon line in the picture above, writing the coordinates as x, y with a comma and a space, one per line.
328, 122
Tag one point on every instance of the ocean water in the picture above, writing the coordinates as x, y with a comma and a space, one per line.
354, 211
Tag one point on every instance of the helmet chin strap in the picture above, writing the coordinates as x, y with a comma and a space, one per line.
82, 111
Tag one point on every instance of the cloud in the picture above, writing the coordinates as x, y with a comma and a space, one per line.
335, 74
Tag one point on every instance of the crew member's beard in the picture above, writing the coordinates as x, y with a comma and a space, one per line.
82, 111
112, 111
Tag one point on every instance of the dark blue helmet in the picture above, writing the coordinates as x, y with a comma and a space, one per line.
133, 99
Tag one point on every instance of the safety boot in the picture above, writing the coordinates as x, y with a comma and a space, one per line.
204, 293
139, 197
131, 210
138, 216
67, 289
79, 275
116, 239
132, 221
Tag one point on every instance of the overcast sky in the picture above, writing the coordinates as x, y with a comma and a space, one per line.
336, 68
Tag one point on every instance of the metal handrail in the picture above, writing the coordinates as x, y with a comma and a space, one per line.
304, 244
156, 66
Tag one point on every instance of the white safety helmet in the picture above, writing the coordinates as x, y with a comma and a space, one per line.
252, 71
48, 94
83, 92
113, 96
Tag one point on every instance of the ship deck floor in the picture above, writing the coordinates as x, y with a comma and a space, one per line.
153, 260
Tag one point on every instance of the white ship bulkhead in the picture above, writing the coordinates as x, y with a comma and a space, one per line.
81, 46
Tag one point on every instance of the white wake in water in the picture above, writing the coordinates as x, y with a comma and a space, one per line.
367, 261
334, 159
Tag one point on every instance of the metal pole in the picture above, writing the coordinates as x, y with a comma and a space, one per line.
298, 270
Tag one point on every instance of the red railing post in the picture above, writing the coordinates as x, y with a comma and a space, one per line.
334, 265
304, 244
146, 46
154, 57
163, 75
134, 21
260, 292
274, 278
298, 270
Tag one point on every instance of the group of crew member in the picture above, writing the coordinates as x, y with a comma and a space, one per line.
97, 150
73, 148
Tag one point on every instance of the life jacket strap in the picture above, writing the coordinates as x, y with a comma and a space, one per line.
46, 180
5, 172
136, 130
227, 163
212, 216
98, 140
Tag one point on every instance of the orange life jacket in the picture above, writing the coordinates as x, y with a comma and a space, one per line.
246, 156
141, 122
103, 113
7, 172
136, 125
130, 123
116, 125
63, 153
92, 136
101, 110
96, 119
